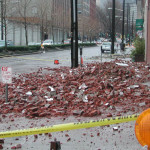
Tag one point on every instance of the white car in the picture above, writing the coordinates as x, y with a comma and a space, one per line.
48, 42
31, 43
79, 41
106, 46
38, 43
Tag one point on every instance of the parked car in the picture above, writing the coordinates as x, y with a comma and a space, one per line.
67, 41
98, 42
38, 43
79, 41
106, 46
31, 43
2, 43
48, 42
9, 43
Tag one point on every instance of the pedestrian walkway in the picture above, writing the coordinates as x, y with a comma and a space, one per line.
119, 53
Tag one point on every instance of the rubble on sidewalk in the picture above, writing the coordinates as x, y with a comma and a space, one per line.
109, 88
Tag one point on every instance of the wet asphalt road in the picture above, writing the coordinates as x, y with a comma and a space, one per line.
98, 138
29, 63
82, 139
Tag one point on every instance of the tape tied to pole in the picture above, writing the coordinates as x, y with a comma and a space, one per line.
68, 126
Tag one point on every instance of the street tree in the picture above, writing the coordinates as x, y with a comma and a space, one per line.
24, 7
64, 18
105, 16
6, 13
44, 11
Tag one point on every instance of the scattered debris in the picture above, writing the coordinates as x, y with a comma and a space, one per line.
122, 64
88, 91
142, 104
115, 128
29, 93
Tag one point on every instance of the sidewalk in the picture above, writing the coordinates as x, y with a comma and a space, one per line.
119, 54
123, 54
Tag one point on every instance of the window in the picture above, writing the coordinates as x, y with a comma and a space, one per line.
13, 9
34, 10
15, 1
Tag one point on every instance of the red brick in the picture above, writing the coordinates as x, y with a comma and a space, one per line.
18, 146
109, 115
1, 147
2, 141
13, 147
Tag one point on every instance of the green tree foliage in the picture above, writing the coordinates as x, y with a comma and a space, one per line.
139, 47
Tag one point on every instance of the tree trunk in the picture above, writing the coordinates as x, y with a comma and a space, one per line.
26, 34
5, 35
53, 34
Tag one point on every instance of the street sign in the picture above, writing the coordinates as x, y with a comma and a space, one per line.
6, 75
139, 24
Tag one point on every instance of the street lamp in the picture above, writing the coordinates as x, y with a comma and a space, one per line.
74, 34
113, 28
113, 25
2, 20
123, 45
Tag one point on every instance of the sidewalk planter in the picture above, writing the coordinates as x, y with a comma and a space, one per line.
138, 55
138, 58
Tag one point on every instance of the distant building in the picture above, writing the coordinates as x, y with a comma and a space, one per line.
44, 19
140, 11
93, 8
48, 19
133, 12
87, 20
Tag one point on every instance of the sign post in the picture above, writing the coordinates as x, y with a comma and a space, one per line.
6, 78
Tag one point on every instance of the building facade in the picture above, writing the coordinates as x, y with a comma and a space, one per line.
37, 20
83, 19
146, 7
144, 13
87, 20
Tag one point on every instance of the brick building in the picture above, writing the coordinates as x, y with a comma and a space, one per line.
144, 13
146, 5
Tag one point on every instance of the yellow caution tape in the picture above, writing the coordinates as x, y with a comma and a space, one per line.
68, 126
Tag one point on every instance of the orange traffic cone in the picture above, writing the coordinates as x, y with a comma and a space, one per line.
56, 62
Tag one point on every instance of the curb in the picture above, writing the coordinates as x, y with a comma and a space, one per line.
13, 55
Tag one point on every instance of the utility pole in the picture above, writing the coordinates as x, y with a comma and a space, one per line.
2, 15
122, 47
74, 34
129, 27
132, 24
127, 22
64, 13
113, 27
